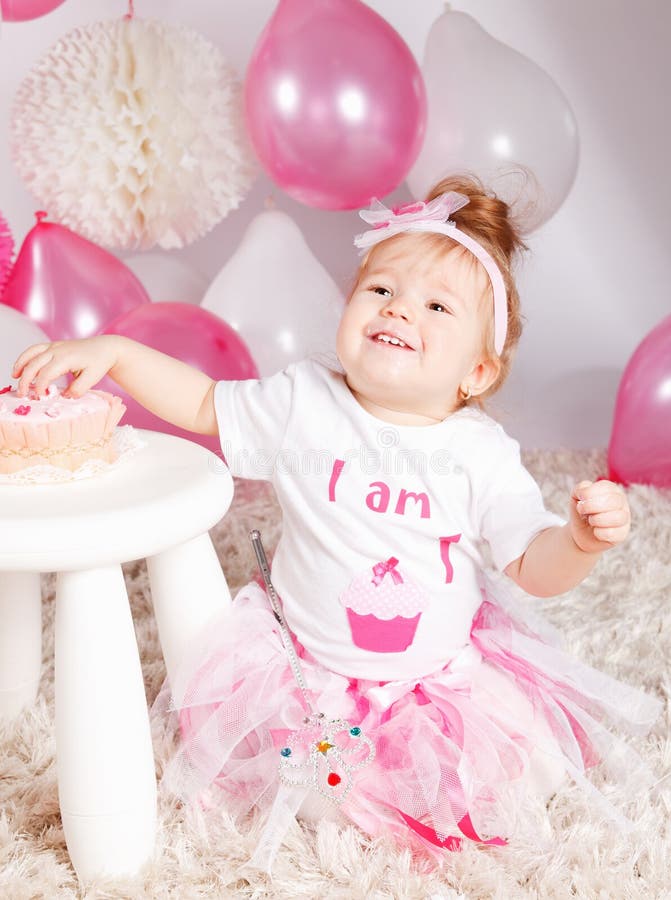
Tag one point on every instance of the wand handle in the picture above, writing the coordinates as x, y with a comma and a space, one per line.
262, 559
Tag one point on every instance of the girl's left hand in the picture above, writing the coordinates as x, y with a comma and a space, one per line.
600, 516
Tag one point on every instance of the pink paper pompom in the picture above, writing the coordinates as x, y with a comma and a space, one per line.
6, 252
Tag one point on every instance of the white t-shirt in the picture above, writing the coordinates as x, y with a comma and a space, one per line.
383, 525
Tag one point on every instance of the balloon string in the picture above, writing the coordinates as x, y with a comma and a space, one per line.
131, 10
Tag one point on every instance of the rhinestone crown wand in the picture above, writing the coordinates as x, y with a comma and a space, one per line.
322, 753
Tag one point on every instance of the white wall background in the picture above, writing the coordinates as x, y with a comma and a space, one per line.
597, 279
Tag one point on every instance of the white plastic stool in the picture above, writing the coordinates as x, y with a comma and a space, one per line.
159, 504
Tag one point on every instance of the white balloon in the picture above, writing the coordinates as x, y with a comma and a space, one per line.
276, 295
17, 332
495, 113
167, 279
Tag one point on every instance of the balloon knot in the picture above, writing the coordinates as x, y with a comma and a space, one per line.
41, 214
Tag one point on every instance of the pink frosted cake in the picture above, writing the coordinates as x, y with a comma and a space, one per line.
56, 430
383, 608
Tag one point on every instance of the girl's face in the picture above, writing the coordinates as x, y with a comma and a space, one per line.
413, 332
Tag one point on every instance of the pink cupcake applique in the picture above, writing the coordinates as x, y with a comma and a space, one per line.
383, 608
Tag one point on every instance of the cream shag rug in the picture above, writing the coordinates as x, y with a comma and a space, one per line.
618, 620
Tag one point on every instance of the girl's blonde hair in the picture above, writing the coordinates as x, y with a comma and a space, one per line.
486, 219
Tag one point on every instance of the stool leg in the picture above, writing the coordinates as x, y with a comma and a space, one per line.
188, 587
105, 761
20, 640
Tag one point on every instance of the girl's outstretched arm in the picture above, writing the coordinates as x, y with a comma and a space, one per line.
171, 389
559, 558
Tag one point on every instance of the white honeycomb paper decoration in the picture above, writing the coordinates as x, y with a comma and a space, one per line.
131, 133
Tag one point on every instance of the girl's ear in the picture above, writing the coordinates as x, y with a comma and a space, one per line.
483, 375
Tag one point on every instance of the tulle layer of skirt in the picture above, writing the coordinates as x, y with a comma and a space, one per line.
437, 760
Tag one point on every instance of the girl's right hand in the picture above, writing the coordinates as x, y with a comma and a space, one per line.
88, 359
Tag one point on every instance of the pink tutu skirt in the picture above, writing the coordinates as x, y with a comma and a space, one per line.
434, 761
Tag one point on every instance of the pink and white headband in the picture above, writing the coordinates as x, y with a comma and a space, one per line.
435, 217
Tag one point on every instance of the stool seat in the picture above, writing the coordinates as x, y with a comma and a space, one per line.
170, 490
158, 504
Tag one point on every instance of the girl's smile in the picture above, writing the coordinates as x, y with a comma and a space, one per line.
382, 335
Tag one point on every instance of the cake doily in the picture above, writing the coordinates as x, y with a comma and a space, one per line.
125, 442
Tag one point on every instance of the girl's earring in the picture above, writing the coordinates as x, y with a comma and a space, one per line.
465, 395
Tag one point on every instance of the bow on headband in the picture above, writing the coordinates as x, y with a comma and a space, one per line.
402, 218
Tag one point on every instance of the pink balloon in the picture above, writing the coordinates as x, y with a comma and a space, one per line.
6, 252
189, 333
335, 103
68, 286
22, 10
640, 444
